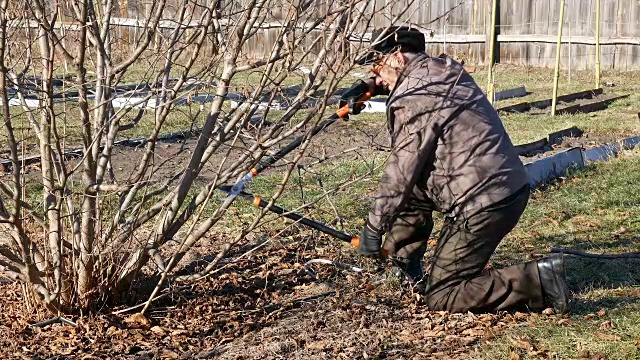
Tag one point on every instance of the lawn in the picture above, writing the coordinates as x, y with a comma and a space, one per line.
595, 210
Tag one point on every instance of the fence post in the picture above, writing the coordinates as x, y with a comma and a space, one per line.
63, 32
492, 47
556, 74
597, 44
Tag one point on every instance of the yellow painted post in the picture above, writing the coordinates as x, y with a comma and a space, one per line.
556, 74
492, 47
124, 30
597, 44
97, 11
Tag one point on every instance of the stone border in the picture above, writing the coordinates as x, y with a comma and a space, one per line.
545, 144
553, 167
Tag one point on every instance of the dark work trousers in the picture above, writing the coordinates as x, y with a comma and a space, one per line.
457, 281
408, 236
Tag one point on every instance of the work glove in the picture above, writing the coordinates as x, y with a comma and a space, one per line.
370, 241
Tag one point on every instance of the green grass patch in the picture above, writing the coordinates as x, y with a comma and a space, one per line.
69, 127
619, 120
594, 210
311, 193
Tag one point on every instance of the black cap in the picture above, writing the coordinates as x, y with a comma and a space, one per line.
389, 39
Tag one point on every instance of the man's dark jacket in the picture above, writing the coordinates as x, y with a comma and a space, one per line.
448, 143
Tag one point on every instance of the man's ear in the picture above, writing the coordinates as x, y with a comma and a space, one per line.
399, 57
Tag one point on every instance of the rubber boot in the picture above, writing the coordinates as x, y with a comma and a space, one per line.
554, 284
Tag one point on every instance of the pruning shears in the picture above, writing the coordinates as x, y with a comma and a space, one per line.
259, 202
253, 172
238, 188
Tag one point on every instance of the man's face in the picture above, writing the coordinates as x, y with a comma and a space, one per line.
388, 68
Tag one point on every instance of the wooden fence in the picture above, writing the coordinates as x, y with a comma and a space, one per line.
526, 29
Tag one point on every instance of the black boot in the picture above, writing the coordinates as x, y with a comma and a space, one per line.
553, 280
411, 270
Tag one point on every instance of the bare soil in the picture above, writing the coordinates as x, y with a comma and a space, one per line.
586, 141
565, 104
341, 140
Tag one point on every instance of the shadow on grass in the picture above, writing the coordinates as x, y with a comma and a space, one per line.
615, 279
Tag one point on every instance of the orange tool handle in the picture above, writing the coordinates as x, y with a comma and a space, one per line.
355, 241
344, 111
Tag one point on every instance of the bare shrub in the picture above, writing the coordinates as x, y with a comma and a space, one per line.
77, 230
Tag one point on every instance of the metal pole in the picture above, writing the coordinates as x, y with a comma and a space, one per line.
597, 44
492, 46
444, 33
556, 74
570, 52
444, 45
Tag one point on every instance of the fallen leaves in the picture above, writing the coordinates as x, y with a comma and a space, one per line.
607, 325
524, 343
585, 354
360, 319
112, 330
530, 347
586, 221
317, 345
548, 311
137, 319
474, 332
433, 333
158, 330
608, 337
565, 322
169, 354
618, 233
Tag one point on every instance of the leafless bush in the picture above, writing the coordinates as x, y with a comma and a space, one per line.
80, 231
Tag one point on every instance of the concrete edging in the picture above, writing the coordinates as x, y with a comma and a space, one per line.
550, 168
